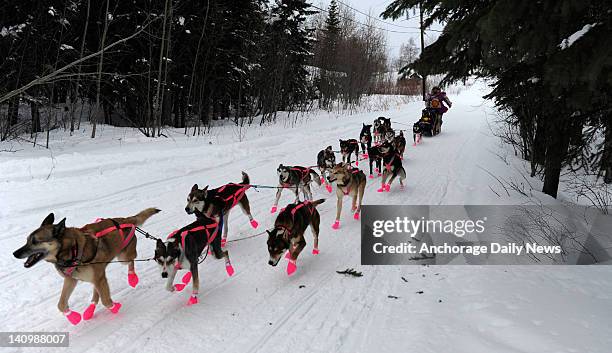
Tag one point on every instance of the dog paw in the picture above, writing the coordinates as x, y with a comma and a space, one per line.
273, 209
192, 300
89, 312
356, 216
328, 188
178, 287
291, 267
388, 187
170, 288
223, 242
371, 176
115, 308
382, 189
132, 279
73, 316
336, 225
254, 224
315, 251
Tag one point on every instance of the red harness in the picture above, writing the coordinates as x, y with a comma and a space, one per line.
206, 228
69, 270
236, 196
126, 240
388, 165
294, 210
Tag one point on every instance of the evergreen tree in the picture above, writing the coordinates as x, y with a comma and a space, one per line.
533, 64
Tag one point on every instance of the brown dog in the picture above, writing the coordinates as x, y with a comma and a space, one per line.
288, 232
82, 254
349, 182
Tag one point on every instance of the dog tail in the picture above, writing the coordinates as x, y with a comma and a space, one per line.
315, 176
245, 178
142, 216
318, 202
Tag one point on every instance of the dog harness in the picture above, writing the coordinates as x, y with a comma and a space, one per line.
206, 228
120, 228
78, 253
306, 203
304, 172
236, 196
350, 142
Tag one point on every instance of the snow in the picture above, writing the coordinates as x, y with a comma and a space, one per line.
66, 47
471, 309
567, 42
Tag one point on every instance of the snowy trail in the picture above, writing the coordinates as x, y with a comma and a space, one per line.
260, 309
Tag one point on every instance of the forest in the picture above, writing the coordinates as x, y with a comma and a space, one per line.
154, 63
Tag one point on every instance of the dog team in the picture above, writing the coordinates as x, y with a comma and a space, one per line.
82, 254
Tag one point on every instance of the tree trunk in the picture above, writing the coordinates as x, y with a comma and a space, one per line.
606, 158
35, 118
557, 144
13, 111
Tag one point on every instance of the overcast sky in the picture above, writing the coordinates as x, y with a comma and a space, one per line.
394, 38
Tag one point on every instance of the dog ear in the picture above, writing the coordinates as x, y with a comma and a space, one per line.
58, 229
48, 220
194, 188
159, 245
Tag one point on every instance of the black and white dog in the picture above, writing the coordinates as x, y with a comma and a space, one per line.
183, 249
392, 167
365, 138
375, 156
381, 125
326, 160
297, 178
347, 148
399, 143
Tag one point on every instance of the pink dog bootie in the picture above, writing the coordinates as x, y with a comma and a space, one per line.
254, 224
336, 225
115, 308
328, 188
371, 176
356, 216
132, 279
229, 269
73, 316
193, 299
322, 179
89, 312
291, 267
315, 251
388, 187
273, 209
